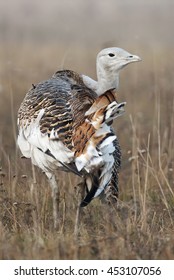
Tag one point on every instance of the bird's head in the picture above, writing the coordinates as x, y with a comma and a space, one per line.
114, 59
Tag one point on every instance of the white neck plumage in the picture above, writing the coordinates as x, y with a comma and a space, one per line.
106, 79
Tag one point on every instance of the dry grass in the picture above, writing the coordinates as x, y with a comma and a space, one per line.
141, 225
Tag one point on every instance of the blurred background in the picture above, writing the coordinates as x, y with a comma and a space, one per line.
88, 23
39, 37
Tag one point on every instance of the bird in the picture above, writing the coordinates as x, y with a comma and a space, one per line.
65, 123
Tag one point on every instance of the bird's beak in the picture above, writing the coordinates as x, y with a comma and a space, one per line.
133, 58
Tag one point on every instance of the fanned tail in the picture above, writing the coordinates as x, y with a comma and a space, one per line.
95, 149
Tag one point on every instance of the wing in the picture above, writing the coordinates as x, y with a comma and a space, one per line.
49, 113
64, 104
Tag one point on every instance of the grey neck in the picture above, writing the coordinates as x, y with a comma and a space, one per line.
106, 79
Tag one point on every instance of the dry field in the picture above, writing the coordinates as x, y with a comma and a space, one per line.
141, 226
38, 39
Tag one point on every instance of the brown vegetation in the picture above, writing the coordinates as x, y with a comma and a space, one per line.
141, 226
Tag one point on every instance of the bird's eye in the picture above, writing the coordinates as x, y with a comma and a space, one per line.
111, 54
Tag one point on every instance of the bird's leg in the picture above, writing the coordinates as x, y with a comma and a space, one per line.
55, 197
80, 190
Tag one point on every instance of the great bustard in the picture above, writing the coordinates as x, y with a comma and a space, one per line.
65, 123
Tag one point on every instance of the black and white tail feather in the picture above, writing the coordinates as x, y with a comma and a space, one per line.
107, 156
